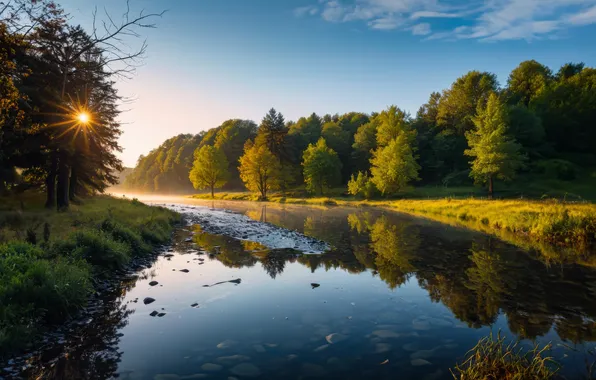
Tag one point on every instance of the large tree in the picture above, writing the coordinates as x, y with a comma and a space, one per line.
496, 155
394, 165
259, 169
322, 167
526, 82
210, 169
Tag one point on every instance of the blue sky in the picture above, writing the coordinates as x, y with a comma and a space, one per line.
212, 60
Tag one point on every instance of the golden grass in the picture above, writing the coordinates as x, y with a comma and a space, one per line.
558, 230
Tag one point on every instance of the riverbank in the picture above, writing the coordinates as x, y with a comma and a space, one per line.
559, 230
50, 263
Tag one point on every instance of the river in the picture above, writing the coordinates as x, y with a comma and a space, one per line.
380, 295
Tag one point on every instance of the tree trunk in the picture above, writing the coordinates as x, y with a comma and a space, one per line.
72, 185
62, 186
490, 187
212, 196
51, 183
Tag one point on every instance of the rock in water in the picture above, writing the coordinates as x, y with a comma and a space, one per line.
226, 344
195, 305
236, 281
184, 270
148, 300
382, 347
161, 315
246, 369
335, 338
153, 283
210, 367
153, 313
315, 285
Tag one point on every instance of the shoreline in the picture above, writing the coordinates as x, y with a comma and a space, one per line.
559, 231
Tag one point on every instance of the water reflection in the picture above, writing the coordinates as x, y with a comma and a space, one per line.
476, 276
402, 289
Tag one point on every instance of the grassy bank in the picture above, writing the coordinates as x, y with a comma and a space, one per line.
48, 260
559, 230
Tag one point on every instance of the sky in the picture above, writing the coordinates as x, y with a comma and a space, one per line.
212, 60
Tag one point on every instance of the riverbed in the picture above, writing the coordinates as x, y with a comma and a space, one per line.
274, 291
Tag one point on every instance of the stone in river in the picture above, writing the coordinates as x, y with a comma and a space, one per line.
210, 367
258, 348
382, 347
153, 283
246, 369
410, 347
236, 281
315, 285
148, 300
335, 338
153, 313
321, 348
420, 362
195, 305
424, 354
313, 370
386, 334
233, 359
184, 270
161, 315
226, 344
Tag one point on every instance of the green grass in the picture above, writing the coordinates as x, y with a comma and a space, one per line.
494, 359
48, 260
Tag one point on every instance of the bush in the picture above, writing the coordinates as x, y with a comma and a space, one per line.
97, 248
362, 186
34, 289
555, 168
126, 235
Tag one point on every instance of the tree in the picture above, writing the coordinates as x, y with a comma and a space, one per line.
394, 166
393, 122
272, 133
365, 142
322, 167
259, 169
361, 185
526, 82
496, 155
210, 169
457, 105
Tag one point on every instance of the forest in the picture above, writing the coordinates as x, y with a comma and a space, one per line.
539, 126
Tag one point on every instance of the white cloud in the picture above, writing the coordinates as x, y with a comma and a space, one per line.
486, 20
308, 10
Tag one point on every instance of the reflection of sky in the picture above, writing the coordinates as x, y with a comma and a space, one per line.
255, 311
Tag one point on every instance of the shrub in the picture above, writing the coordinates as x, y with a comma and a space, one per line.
362, 186
126, 235
556, 168
492, 358
98, 248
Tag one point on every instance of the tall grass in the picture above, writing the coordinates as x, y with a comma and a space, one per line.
494, 359
48, 259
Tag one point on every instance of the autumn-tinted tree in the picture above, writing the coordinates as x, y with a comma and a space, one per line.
322, 167
260, 170
496, 155
210, 169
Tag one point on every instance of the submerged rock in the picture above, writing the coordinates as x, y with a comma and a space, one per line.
315, 285
195, 305
386, 334
226, 344
246, 369
335, 338
233, 359
148, 300
211, 367
184, 270
420, 362
382, 347
153, 283
154, 313
161, 315
321, 348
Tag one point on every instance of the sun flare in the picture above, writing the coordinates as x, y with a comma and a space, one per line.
83, 117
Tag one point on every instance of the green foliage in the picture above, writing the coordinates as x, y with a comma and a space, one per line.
322, 167
210, 169
394, 166
493, 358
527, 82
97, 248
259, 169
495, 154
393, 123
457, 105
362, 186
556, 168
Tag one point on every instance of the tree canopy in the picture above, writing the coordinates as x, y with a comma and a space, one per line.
322, 167
210, 169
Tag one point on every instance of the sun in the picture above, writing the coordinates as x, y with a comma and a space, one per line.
83, 117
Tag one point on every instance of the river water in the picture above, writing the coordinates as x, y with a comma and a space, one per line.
391, 296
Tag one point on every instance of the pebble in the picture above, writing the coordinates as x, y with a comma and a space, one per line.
148, 300
153, 313
153, 283
184, 270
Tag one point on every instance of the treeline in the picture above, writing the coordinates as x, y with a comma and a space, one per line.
58, 103
541, 124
